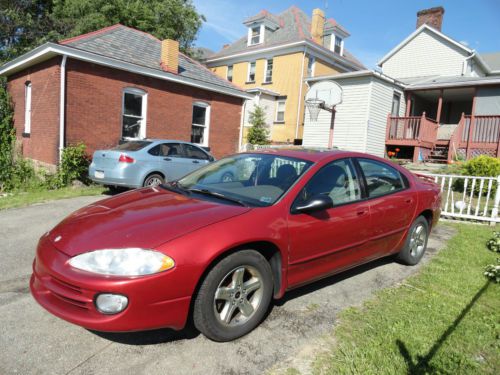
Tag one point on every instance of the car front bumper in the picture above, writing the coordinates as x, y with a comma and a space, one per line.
69, 294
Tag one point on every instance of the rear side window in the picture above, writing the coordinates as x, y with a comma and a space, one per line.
193, 152
167, 149
132, 146
381, 179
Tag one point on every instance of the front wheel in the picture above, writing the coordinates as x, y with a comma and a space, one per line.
416, 242
154, 179
234, 296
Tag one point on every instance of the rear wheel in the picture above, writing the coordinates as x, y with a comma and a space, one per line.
154, 179
234, 296
416, 242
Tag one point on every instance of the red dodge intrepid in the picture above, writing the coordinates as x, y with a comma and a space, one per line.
219, 249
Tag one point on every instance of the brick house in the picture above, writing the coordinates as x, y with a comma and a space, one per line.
118, 83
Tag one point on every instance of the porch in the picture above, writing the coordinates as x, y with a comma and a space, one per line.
447, 124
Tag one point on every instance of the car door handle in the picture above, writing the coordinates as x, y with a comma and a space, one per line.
196, 161
362, 212
409, 200
167, 159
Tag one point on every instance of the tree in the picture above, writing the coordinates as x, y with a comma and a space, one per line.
7, 135
258, 134
173, 19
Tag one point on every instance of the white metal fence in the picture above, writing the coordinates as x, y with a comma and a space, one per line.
469, 197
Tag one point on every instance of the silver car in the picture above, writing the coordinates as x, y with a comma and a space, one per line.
147, 162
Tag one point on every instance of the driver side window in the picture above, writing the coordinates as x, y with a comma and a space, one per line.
338, 180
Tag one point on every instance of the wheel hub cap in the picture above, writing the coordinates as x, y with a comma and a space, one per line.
417, 240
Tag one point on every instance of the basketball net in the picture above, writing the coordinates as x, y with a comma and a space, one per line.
314, 106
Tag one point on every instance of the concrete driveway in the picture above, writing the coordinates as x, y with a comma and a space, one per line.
34, 342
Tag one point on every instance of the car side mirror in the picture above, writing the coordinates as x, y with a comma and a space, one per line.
211, 158
314, 204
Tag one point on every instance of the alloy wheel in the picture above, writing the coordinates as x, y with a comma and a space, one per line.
417, 240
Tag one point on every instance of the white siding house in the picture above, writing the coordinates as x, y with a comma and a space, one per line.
361, 118
428, 52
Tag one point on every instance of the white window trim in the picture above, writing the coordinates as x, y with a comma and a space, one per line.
265, 71
28, 99
207, 123
227, 73
261, 35
277, 108
144, 94
332, 43
255, 71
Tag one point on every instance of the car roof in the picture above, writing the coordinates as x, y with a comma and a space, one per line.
310, 154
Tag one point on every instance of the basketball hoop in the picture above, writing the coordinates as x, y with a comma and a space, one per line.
314, 106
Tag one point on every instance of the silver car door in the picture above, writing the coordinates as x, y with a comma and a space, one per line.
197, 157
174, 164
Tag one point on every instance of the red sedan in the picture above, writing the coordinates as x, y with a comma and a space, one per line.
218, 249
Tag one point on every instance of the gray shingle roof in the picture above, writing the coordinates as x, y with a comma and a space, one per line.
136, 47
295, 26
492, 59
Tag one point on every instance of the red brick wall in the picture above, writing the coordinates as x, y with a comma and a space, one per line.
42, 143
94, 105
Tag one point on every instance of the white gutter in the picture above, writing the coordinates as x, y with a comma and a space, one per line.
62, 106
300, 94
466, 62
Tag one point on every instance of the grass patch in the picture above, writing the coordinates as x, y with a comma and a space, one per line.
21, 199
445, 320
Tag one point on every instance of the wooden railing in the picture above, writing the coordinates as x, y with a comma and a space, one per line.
412, 128
476, 132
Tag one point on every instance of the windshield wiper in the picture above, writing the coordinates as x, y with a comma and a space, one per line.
175, 187
217, 195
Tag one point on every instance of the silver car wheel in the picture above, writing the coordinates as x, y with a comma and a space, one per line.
153, 181
417, 240
238, 296
227, 177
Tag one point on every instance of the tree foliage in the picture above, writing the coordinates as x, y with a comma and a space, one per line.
258, 134
25, 24
7, 135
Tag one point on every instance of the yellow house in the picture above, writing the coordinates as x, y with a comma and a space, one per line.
275, 57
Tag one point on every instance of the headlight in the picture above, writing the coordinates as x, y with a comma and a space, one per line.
123, 262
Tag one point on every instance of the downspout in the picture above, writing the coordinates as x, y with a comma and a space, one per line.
466, 62
240, 141
300, 94
62, 106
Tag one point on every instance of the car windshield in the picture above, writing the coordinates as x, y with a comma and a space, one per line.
249, 179
132, 145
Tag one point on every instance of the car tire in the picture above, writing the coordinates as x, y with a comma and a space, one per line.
234, 296
415, 243
154, 179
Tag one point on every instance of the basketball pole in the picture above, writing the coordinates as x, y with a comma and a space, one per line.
332, 123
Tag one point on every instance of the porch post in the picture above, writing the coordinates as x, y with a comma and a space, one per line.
408, 104
471, 126
440, 107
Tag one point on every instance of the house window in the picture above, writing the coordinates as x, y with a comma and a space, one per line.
255, 35
134, 114
396, 98
338, 47
311, 63
200, 125
230, 73
269, 71
27, 107
251, 72
280, 111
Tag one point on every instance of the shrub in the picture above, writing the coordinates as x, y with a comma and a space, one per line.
74, 165
258, 133
7, 137
492, 271
480, 166
494, 242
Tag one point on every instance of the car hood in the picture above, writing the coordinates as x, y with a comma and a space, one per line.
144, 218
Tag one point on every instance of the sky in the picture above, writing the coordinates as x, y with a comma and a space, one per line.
376, 26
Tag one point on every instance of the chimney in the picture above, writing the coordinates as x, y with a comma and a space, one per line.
170, 55
318, 25
432, 17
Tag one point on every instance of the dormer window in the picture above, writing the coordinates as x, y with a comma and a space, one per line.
255, 35
338, 46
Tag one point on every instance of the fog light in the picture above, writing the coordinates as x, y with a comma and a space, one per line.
111, 303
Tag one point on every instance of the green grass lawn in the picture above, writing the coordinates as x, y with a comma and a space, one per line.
22, 199
444, 320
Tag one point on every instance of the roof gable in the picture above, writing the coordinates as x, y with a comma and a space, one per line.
415, 33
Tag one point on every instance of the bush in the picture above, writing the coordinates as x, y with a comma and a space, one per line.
7, 137
492, 271
258, 133
480, 166
74, 165
494, 243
